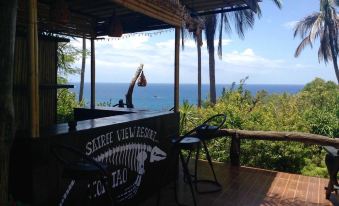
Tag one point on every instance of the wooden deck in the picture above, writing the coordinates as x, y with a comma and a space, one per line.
252, 186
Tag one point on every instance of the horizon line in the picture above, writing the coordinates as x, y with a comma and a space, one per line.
195, 83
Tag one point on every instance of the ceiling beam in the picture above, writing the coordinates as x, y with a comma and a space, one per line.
218, 11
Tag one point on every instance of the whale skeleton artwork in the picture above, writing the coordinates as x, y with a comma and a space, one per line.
132, 156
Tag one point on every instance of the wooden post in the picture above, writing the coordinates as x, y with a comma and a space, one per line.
176, 69
8, 14
92, 73
235, 151
33, 68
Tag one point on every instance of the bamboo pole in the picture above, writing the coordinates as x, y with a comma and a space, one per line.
176, 69
92, 73
33, 68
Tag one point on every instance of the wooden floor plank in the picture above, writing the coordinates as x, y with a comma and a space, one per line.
253, 187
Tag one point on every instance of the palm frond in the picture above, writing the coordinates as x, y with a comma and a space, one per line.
243, 19
278, 3
306, 41
317, 27
254, 6
227, 23
304, 26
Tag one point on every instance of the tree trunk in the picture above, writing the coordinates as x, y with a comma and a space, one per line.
83, 65
335, 64
129, 95
210, 27
334, 53
199, 69
8, 11
212, 75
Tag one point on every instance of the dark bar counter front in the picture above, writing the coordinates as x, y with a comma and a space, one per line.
135, 144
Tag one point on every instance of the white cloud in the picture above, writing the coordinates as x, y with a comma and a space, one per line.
116, 61
190, 44
290, 24
249, 59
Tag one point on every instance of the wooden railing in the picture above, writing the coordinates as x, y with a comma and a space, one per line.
301, 137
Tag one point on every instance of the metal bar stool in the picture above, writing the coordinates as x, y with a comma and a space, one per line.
185, 142
83, 168
206, 132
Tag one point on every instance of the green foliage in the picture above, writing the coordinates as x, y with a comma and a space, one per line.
106, 104
66, 100
313, 110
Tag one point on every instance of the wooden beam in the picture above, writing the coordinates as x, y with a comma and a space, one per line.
151, 10
176, 69
33, 67
280, 136
92, 73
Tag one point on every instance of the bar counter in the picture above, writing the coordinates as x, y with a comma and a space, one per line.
135, 144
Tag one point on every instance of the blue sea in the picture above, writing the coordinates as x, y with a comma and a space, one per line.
160, 96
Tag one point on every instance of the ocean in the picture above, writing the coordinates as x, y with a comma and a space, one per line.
160, 96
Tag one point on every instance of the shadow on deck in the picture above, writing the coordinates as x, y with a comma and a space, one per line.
252, 186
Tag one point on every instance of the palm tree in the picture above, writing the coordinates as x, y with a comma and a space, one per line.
8, 13
243, 19
196, 34
210, 28
199, 44
324, 25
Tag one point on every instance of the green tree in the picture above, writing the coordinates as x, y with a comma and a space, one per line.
315, 109
324, 25
66, 100
67, 56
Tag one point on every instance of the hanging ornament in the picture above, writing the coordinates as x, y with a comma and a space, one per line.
59, 12
115, 27
142, 82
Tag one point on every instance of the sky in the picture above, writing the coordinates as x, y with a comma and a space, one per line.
265, 55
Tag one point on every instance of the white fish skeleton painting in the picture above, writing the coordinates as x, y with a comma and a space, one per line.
132, 156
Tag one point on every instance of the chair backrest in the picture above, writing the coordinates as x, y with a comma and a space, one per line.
206, 128
211, 125
70, 157
59, 151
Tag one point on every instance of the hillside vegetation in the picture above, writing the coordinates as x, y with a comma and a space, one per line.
315, 109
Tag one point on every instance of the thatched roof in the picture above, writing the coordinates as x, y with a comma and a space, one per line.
91, 18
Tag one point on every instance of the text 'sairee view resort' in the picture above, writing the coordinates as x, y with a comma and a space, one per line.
169, 102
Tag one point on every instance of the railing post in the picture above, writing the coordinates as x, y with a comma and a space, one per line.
235, 150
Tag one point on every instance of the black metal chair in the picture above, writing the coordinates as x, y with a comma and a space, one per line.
83, 168
205, 132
